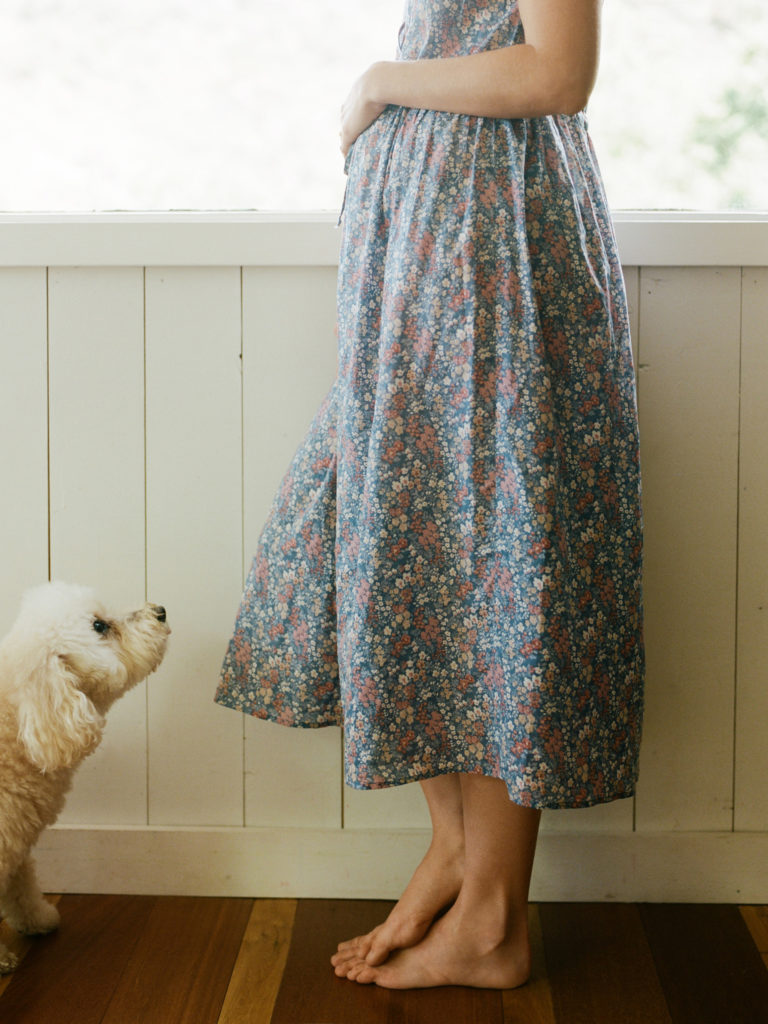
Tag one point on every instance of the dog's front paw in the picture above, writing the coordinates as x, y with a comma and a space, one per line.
8, 961
44, 918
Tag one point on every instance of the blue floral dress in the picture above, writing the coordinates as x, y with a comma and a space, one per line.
452, 567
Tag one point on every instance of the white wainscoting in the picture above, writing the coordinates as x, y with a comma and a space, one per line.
156, 375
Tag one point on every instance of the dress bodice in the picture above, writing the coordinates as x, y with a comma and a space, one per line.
452, 28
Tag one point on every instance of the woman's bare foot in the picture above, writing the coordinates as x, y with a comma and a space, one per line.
459, 949
434, 886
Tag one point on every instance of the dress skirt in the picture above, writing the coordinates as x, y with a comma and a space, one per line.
451, 569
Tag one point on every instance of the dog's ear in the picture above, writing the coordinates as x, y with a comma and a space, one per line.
58, 725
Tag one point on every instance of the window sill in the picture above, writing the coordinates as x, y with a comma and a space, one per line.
303, 238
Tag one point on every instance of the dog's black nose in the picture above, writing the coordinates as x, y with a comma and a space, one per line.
159, 613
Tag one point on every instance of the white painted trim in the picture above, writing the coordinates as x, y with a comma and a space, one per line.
692, 240
304, 239
717, 867
165, 240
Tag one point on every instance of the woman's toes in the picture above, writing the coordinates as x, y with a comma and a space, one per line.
353, 948
348, 967
361, 972
377, 954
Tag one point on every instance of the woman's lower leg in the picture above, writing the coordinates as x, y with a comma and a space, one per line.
435, 883
500, 848
483, 939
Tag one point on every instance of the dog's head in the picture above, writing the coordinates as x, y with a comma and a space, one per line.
69, 660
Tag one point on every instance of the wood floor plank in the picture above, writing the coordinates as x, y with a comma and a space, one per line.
450, 1005
258, 971
311, 993
180, 970
708, 964
599, 964
756, 919
69, 976
18, 944
532, 1003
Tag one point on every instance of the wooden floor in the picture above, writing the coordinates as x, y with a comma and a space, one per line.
144, 959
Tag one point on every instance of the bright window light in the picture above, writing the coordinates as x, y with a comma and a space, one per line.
233, 104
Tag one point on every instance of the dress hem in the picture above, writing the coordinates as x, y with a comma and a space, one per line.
515, 790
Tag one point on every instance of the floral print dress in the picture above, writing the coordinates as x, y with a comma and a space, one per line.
452, 567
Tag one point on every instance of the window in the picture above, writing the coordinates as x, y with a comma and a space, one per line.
233, 104
680, 113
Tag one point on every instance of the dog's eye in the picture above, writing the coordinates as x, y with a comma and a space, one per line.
100, 625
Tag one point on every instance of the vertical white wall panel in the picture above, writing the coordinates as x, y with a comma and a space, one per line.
395, 807
689, 399
194, 529
632, 285
289, 362
23, 435
751, 803
97, 496
614, 817
293, 777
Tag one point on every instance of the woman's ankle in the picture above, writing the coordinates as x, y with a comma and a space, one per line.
448, 845
492, 915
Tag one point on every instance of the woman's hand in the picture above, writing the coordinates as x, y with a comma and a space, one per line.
359, 109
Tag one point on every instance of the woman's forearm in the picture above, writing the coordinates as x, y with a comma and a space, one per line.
514, 81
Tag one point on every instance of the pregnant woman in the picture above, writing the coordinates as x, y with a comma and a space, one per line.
452, 567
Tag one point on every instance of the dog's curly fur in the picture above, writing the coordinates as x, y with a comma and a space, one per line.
62, 666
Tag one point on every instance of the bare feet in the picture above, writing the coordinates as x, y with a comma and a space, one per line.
457, 950
434, 886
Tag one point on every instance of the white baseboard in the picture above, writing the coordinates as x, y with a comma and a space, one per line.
682, 867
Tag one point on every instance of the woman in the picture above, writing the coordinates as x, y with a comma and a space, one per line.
451, 569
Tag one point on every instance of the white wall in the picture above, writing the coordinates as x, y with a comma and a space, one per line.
147, 413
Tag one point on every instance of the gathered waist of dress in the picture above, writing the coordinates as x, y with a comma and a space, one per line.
396, 118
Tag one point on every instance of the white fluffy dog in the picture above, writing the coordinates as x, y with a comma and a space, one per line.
62, 666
